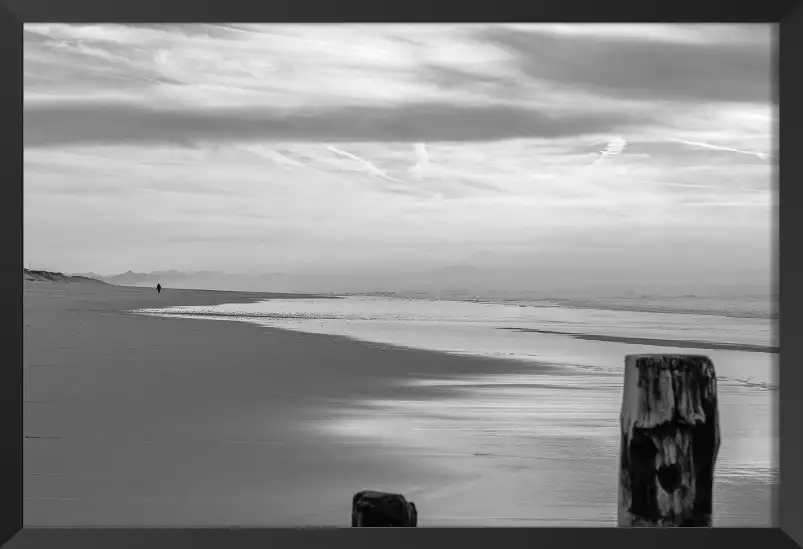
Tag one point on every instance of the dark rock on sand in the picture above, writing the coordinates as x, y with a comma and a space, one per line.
381, 509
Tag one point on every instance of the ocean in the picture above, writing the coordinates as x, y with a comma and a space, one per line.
533, 426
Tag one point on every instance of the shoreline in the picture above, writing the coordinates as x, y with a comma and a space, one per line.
148, 419
536, 353
657, 342
154, 431
652, 342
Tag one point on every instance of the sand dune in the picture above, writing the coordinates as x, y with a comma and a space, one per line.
57, 278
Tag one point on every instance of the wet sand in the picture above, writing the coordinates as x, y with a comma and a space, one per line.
138, 420
146, 421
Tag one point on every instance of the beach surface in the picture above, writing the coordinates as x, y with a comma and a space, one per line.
137, 420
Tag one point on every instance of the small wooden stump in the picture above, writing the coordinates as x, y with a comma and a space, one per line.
670, 440
381, 509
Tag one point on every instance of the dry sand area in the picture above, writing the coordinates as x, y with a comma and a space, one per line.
135, 420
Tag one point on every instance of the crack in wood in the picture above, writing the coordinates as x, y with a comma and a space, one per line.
670, 440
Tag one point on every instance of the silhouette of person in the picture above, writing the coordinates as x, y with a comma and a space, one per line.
158, 288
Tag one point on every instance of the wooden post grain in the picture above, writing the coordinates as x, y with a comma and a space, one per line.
670, 440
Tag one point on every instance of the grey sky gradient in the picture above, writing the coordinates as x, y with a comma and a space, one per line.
559, 152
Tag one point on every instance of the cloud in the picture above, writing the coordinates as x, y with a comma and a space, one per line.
261, 151
761, 155
698, 33
263, 64
421, 152
483, 81
368, 166
71, 64
69, 123
614, 147
729, 71
423, 160
344, 144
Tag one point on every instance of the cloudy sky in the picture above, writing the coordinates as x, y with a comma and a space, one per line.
636, 149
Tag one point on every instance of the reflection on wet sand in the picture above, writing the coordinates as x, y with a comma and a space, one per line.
535, 445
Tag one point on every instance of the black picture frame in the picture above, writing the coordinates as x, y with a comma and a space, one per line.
15, 13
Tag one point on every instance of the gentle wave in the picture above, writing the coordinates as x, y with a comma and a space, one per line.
585, 340
764, 306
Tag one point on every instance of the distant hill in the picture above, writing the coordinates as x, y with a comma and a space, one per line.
452, 277
130, 278
96, 276
167, 278
59, 278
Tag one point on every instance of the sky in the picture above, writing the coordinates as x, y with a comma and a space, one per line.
626, 152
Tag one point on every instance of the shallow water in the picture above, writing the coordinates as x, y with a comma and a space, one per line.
491, 329
543, 444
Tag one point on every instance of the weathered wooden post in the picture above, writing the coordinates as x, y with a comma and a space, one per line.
381, 509
670, 440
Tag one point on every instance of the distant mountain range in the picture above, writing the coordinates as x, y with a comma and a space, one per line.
451, 277
130, 278
456, 281
200, 280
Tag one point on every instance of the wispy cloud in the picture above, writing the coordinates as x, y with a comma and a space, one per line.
761, 155
346, 144
422, 156
614, 147
368, 166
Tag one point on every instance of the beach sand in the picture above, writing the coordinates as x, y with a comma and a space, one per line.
135, 420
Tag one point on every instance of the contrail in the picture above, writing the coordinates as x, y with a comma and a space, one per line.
614, 147
423, 158
369, 167
275, 156
761, 155
421, 152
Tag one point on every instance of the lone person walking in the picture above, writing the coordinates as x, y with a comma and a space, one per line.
158, 288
